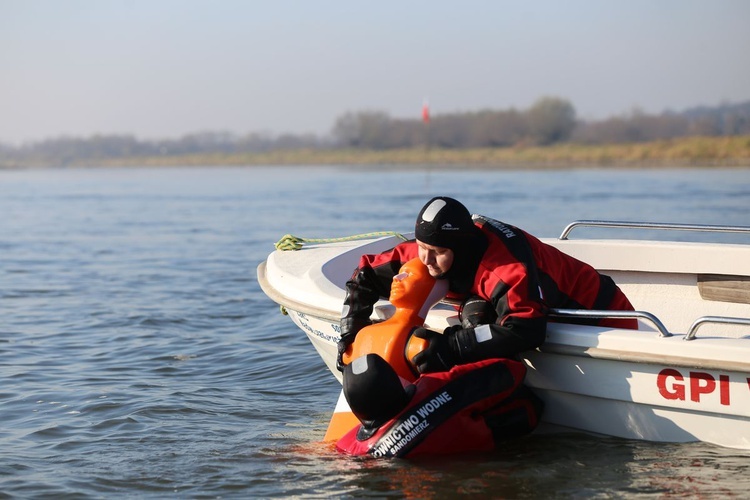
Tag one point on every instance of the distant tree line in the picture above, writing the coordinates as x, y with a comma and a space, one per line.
70, 150
550, 120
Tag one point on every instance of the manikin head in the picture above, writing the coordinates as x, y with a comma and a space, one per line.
415, 289
443, 226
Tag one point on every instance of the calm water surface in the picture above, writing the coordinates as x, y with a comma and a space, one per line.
139, 357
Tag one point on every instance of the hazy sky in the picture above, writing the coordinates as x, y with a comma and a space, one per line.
163, 68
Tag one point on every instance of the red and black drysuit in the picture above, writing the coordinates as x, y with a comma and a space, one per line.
520, 276
471, 407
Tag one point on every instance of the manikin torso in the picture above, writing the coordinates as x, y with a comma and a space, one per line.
413, 293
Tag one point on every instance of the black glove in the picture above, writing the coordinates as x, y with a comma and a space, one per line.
476, 311
451, 330
438, 356
349, 329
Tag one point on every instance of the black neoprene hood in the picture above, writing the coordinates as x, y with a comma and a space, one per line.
443, 222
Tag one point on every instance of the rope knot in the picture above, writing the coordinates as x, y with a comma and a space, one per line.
289, 242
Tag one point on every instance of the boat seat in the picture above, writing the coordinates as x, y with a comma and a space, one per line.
724, 288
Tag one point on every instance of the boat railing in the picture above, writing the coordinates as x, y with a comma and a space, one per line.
713, 319
644, 315
599, 314
652, 225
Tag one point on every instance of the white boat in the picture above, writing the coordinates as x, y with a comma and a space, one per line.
683, 376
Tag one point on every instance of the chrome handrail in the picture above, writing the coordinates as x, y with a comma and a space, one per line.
713, 319
652, 225
585, 313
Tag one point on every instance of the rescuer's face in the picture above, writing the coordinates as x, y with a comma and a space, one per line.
437, 259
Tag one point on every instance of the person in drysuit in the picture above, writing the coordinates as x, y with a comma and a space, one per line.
505, 279
471, 407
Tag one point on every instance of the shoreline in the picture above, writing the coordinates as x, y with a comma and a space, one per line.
691, 152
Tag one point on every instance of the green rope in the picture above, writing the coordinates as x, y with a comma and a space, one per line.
290, 242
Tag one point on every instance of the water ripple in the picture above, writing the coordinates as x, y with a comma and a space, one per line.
140, 358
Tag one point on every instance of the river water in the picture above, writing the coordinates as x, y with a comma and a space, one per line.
139, 357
